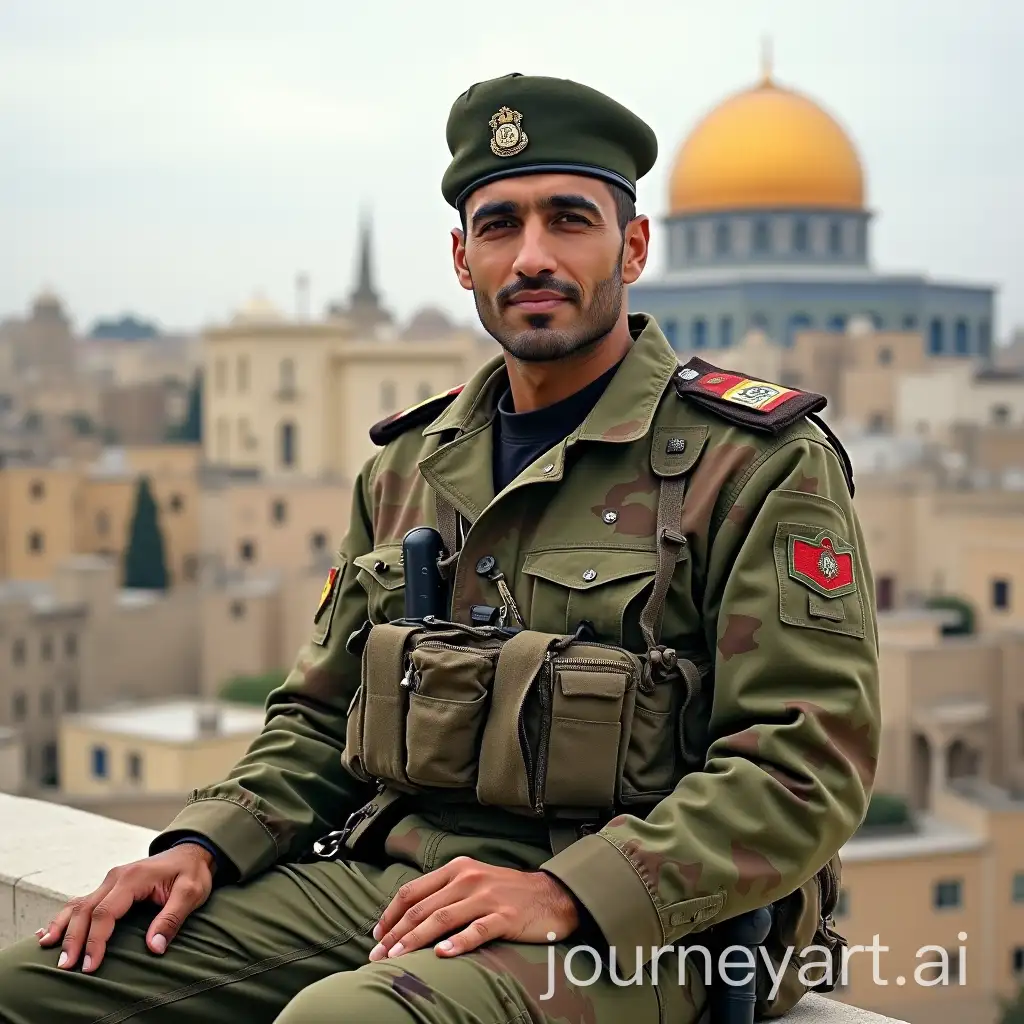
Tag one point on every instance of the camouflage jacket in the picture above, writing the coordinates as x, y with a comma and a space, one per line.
775, 601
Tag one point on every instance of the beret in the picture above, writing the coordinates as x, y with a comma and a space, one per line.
520, 124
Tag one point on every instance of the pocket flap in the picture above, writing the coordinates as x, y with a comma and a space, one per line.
383, 564
585, 568
592, 683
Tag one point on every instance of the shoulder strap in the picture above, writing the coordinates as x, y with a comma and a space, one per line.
387, 429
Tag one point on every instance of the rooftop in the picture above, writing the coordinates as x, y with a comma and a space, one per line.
180, 721
930, 837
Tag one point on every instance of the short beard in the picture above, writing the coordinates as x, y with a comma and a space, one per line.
541, 344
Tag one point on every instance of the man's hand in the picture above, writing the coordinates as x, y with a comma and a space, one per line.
179, 880
486, 902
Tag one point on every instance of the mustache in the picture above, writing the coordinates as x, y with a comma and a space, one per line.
535, 284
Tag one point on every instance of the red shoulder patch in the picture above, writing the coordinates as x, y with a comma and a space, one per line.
823, 562
387, 429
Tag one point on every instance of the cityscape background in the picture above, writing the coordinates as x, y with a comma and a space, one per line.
225, 254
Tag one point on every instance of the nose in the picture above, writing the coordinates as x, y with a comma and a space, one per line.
534, 258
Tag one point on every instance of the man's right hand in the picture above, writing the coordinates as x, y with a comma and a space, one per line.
180, 880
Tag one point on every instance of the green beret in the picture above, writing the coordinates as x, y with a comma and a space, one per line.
521, 124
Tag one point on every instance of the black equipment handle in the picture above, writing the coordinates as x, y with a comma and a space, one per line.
734, 1003
425, 590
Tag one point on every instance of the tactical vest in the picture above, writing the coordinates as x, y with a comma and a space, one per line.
560, 728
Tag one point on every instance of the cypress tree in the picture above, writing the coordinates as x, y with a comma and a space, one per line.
145, 567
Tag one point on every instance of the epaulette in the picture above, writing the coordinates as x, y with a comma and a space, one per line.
756, 404
387, 429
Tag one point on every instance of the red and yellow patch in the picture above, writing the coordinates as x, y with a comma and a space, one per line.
824, 563
754, 394
328, 591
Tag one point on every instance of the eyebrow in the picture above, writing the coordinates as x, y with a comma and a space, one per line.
564, 201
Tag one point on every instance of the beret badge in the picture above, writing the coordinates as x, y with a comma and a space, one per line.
507, 135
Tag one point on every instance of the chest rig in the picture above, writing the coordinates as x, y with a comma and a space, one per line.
557, 727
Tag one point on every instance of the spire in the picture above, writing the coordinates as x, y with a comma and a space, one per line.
365, 293
766, 60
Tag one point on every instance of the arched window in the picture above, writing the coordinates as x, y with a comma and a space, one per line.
762, 237
801, 236
936, 343
700, 333
289, 443
962, 339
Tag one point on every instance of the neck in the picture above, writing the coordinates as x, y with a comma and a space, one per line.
536, 385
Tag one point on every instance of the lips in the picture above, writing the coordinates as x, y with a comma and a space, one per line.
538, 302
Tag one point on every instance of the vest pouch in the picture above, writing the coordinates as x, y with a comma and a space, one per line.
452, 674
556, 737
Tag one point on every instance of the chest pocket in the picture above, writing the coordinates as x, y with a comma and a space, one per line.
382, 576
599, 585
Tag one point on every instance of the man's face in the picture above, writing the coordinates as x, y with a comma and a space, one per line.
547, 262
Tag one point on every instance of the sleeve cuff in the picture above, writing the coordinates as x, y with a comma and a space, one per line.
614, 895
242, 839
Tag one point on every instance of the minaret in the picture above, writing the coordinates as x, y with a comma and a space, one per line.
364, 302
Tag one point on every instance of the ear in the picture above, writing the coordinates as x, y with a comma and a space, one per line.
635, 248
459, 259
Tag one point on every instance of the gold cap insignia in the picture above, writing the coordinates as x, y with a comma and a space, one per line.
507, 135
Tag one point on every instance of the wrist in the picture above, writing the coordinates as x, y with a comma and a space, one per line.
203, 853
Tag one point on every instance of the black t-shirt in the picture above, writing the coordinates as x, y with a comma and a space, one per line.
522, 437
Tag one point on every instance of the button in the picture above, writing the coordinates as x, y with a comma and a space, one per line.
590, 574
610, 515
380, 566
549, 468
486, 565
675, 446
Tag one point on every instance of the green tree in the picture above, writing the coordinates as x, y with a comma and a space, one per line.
886, 810
251, 689
964, 626
191, 429
1013, 1009
145, 566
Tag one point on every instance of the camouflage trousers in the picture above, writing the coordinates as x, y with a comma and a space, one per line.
292, 946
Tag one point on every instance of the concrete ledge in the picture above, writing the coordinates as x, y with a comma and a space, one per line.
49, 853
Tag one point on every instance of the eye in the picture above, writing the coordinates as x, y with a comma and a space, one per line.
572, 218
495, 224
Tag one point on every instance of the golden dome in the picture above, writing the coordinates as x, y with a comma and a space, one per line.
766, 147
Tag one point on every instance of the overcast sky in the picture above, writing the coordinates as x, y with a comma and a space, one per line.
169, 159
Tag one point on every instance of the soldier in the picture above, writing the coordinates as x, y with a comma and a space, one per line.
657, 707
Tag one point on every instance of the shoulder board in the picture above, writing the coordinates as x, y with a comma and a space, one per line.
756, 404
387, 429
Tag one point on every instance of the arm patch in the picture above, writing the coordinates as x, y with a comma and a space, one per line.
387, 429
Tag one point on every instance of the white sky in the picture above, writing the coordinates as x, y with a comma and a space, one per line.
170, 158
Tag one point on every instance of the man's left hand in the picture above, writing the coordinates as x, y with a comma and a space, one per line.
485, 901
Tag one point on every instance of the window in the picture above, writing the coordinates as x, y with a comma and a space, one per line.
288, 444
220, 372
49, 765
762, 237
71, 698
691, 241
46, 648
242, 370
961, 342
388, 396
286, 376
318, 541
238, 609
19, 707
725, 331
700, 333
46, 703
835, 238
1017, 960
910, 322
223, 439
278, 511
947, 894
70, 645
176, 503
759, 321
36, 490
36, 542
102, 523
134, 767
936, 343
247, 551
671, 329
723, 238
837, 323
424, 391
99, 762
1018, 887
1000, 415
1001, 594
800, 236
884, 597
798, 322
18, 652
885, 356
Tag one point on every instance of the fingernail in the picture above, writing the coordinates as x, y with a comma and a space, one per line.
87, 963
159, 943
377, 952
396, 950
63, 960
446, 946
45, 938
376, 933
